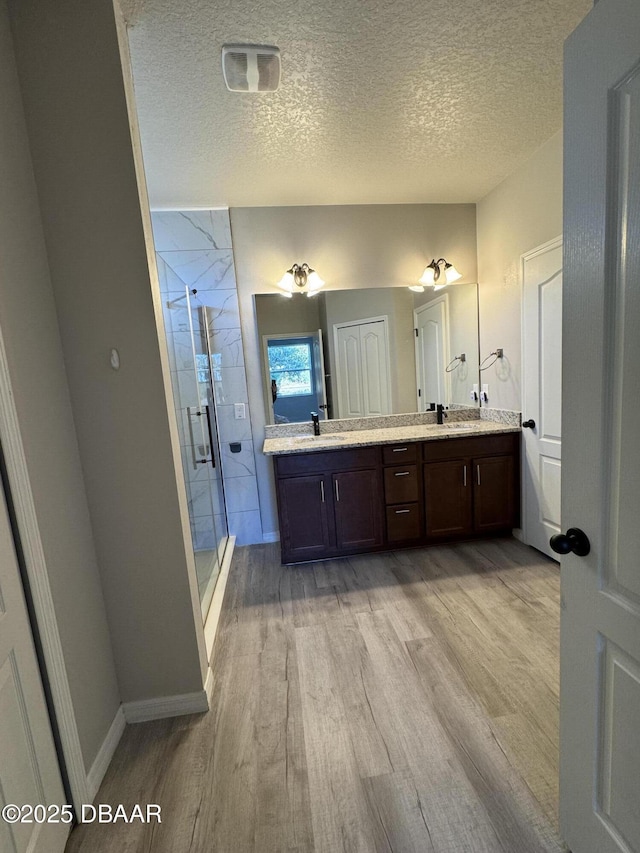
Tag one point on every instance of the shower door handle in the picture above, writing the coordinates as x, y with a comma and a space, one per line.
210, 432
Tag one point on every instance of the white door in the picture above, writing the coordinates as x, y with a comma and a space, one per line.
431, 352
542, 393
600, 622
29, 772
362, 368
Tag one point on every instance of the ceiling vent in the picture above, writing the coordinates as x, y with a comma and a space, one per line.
251, 67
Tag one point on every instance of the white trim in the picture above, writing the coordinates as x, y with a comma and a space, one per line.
208, 685
556, 243
274, 536
105, 754
22, 496
166, 706
215, 608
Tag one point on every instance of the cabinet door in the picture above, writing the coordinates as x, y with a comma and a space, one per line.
358, 504
447, 497
304, 520
493, 493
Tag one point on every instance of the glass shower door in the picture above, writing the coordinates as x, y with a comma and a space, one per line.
207, 512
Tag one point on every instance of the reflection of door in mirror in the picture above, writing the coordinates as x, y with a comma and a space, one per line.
294, 376
432, 346
362, 368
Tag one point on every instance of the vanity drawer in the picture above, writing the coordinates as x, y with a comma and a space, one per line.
403, 522
398, 454
401, 484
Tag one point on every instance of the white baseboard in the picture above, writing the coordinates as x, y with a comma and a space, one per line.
166, 706
274, 536
208, 685
215, 609
105, 754
518, 534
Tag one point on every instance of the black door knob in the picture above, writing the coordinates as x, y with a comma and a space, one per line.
573, 541
530, 424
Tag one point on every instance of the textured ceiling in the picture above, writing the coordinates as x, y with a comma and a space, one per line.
380, 102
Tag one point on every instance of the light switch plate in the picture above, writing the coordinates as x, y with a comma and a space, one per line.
239, 411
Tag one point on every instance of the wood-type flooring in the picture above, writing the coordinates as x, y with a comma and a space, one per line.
396, 702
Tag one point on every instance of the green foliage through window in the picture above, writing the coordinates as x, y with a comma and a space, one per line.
290, 366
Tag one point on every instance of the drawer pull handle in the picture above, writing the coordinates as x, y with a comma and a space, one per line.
337, 493
464, 476
399, 449
402, 511
402, 474
478, 469
322, 489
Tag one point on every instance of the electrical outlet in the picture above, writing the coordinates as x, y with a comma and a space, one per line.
239, 411
485, 392
474, 394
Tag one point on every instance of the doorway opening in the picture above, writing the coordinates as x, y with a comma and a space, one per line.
294, 377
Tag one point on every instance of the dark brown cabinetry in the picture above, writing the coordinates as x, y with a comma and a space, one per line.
357, 510
329, 503
333, 503
494, 493
303, 516
470, 486
448, 498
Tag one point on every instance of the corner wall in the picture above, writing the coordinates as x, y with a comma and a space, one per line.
71, 77
523, 212
30, 331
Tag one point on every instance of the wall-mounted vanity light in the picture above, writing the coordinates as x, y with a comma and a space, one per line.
437, 274
300, 279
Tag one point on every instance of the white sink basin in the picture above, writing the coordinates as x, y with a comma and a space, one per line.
318, 439
461, 427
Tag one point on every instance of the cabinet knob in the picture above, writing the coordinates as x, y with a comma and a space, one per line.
573, 541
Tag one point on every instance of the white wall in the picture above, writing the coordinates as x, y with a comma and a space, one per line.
80, 138
523, 212
351, 247
30, 330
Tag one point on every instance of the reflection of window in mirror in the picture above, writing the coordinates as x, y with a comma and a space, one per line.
292, 376
290, 368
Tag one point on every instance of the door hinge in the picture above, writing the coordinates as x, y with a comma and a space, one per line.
416, 331
419, 392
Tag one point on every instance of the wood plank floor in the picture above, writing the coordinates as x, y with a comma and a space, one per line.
393, 702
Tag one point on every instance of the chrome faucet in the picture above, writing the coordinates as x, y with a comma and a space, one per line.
441, 414
316, 423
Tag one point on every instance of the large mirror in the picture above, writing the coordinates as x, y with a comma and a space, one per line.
367, 352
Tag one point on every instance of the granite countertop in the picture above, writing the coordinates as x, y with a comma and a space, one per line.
306, 443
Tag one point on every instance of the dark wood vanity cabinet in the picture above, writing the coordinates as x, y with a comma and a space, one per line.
357, 511
471, 485
304, 520
329, 503
448, 508
333, 503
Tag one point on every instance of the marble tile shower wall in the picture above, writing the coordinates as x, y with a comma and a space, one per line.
194, 248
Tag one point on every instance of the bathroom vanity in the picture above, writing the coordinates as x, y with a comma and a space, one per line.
373, 490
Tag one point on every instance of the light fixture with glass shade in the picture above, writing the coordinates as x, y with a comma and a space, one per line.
437, 274
300, 279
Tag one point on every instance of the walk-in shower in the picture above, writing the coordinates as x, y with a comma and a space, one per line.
194, 369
